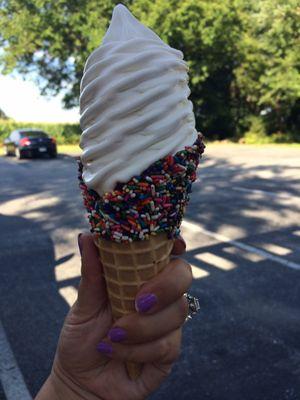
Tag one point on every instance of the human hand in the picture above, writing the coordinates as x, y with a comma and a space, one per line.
151, 337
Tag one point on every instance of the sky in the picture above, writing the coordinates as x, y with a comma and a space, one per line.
22, 101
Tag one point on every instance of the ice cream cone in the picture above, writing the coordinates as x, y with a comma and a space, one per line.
139, 154
126, 267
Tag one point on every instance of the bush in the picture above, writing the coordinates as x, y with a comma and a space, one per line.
256, 133
63, 133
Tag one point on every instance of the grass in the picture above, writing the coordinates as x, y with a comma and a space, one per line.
74, 149
231, 143
69, 149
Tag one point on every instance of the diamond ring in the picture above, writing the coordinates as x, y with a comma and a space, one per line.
193, 304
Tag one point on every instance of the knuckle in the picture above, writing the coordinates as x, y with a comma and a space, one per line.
175, 353
136, 328
128, 354
183, 309
184, 268
189, 273
189, 270
141, 332
170, 348
165, 350
176, 348
122, 352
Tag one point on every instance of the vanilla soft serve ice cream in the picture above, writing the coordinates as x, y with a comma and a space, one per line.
133, 103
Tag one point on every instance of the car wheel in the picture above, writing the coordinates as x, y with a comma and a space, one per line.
7, 152
19, 154
53, 155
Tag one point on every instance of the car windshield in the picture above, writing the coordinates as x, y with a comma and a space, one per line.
34, 134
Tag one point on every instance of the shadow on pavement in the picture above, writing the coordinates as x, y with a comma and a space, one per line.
243, 345
31, 308
223, 183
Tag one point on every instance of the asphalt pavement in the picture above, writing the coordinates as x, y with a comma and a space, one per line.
243, 234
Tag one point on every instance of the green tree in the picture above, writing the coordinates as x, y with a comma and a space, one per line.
244, 56
268, 75
55, 38
3, 115
207, 33
52, 39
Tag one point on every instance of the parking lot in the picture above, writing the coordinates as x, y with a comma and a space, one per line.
243, 234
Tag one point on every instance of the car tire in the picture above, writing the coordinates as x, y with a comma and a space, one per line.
19, 154
53, 155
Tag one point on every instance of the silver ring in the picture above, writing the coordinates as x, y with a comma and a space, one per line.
193, 304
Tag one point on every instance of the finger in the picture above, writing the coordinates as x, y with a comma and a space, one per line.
92, 294
164, 350
136, 328
179, 246
165, 288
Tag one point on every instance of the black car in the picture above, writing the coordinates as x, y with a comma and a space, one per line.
30, 143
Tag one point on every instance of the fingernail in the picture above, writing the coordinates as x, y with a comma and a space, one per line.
104, 348
145, 302
79, 243
117, 334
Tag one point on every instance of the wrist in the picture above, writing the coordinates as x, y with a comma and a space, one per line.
65, 388
60, 387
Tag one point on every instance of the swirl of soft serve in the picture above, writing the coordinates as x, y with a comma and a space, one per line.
134, 106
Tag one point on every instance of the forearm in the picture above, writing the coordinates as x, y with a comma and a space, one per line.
58, 388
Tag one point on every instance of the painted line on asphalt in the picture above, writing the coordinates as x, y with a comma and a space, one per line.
11, 377
221, 238
283, 196
69, 293
264, 192
199, 273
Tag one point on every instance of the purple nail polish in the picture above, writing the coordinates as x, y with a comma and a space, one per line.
104, 348
117, 334
145, 302
79, 243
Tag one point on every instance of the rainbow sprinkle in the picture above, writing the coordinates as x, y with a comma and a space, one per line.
147, 204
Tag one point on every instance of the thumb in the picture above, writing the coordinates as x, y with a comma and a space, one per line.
92, 295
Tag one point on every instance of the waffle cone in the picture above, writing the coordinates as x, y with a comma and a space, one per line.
126, 267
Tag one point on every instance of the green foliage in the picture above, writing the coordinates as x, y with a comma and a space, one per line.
207, 33
256, 133
256, 126
268, 76
3, 115
244, 56
53, 39
258, 138
63, 133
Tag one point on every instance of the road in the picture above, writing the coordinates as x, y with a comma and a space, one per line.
243, 235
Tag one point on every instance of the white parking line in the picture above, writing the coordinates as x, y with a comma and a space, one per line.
276, 249
199, 273
69, 293
221, 238
216, 261
264, 192
10, 375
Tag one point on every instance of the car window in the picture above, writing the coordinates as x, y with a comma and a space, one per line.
33, 134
